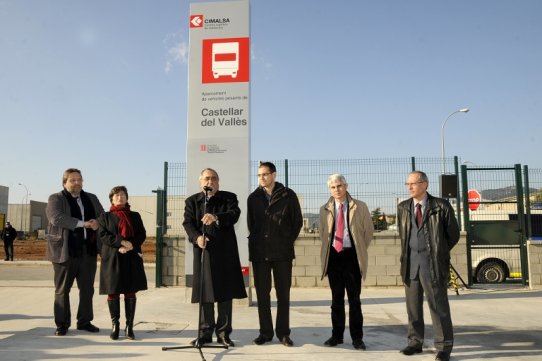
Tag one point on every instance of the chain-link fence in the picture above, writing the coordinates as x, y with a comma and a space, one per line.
378, 182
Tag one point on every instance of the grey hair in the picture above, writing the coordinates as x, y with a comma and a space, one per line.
210, 170
336, 177
422, 175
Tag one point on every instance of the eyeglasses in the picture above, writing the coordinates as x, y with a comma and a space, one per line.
264, 175
210, 179
413, 183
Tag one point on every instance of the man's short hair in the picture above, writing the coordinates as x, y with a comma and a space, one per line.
336, 177
67, 173
209, 170
422, 175
269, 165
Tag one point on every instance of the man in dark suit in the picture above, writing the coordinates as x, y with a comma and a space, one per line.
274, 222
72, 248
346, 230
210, 228
428, 230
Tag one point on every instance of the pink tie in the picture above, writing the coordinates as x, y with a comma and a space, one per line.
339, 232
418, 214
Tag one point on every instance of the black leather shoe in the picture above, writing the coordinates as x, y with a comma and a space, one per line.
333, 341
61, 331
226, 341
201, 341
442, 356
287, 341
261, 339
411, 350
359, 344
89, 327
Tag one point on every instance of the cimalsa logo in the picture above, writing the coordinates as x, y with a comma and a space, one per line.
196, 21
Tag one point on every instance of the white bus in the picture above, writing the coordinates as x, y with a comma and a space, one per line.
225, 59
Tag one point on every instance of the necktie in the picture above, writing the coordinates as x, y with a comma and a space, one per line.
339, 231
418, 214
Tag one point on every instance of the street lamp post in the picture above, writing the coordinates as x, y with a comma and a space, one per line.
25, 199
464, 110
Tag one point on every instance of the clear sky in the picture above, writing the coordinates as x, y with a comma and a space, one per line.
102, 85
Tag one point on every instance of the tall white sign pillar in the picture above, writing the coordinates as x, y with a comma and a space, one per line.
218, 123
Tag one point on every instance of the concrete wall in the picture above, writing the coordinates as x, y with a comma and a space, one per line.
146, 206
383, 271
4, 197
173, 262
21, 216
384, 262
534, 253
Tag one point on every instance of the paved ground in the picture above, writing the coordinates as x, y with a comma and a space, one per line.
497, 324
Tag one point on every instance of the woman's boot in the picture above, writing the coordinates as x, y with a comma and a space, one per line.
114, 311
129, 308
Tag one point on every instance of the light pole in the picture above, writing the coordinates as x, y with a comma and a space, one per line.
464, 110
22, 206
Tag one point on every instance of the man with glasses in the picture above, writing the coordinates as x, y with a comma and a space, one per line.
274, 222
428, 230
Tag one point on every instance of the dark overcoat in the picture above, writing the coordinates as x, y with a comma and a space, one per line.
440, 231
273, 225
121, 273
60, 224
223, 279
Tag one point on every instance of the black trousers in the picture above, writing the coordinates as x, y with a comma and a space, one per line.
282, 276
344, 274
8, 249
222, 326
437, 300
84, 271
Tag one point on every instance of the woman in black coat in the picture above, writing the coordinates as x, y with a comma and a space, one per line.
121, 234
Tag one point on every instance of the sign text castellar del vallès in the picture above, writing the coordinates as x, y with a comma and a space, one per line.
223, 117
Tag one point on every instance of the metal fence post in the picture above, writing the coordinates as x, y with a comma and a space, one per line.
464, 186
521, 219
159, 235
286, 172
161, 226
458, 198
528, 232
164, 200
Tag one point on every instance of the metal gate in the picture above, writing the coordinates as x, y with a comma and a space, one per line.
494, 217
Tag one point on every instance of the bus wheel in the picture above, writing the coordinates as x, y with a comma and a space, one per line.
491, 272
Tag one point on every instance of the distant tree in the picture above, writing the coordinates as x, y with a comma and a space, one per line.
379, 220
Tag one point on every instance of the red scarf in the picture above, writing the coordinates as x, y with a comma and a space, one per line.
126, 230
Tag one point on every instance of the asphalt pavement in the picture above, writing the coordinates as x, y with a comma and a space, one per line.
498, 323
